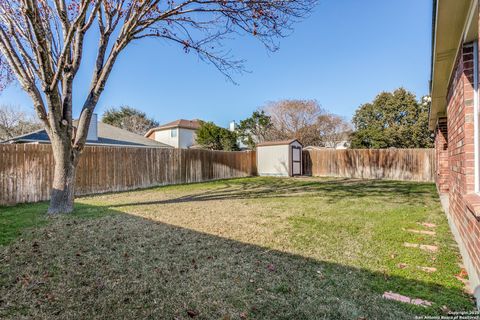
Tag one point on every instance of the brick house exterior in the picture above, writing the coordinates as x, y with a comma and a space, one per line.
454, 118
441, 159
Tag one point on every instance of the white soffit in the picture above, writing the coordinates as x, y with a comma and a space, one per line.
451, 25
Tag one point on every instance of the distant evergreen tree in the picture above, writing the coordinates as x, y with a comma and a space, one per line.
210, 136
394, 119
255, 129
129, 118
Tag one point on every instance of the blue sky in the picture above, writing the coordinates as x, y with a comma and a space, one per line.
343, 55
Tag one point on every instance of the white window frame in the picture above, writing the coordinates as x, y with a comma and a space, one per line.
173, 133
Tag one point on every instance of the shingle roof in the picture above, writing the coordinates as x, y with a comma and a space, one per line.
107, 135
39, 135
180, 123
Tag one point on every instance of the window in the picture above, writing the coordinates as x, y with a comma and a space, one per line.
173, 133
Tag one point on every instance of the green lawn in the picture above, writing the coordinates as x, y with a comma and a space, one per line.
255, 248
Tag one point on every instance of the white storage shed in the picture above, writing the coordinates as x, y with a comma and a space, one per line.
279, 158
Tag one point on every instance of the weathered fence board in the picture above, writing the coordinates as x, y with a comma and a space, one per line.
395, 164
26, 170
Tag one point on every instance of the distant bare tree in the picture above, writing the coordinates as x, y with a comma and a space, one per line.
14, 122
333, 130
296, 119
308, 122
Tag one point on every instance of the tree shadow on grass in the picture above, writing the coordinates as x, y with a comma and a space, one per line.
332, 190
119, 266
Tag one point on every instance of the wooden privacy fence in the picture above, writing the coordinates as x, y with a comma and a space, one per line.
395, 164
26, 170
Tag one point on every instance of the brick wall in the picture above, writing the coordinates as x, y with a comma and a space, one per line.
460, 138
441, 156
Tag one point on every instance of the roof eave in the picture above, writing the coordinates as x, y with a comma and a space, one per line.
450, 23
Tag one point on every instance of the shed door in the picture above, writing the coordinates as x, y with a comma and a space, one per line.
296, 161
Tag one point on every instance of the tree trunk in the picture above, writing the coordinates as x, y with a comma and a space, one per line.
63, 188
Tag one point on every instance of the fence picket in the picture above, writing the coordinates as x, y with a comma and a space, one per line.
26, 171
395, 164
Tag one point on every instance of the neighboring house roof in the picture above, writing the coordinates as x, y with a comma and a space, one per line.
277, 143
452, 23
180, 123
107, 135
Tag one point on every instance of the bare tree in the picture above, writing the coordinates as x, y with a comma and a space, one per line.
41, 44
308, 122
15, 122
296, 119
333, 130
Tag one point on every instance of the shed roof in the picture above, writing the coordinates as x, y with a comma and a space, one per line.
277, 143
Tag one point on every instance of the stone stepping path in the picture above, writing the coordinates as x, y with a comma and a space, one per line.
400, 298
426, 232
463, 280
463, 277
428, 269
424, 247
424, 269
428, 224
